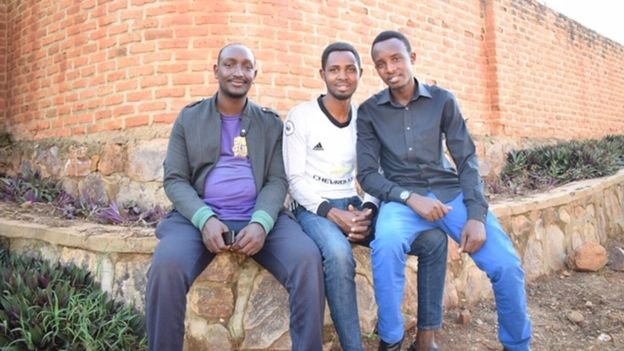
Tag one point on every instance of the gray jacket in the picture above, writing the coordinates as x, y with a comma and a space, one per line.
194, 149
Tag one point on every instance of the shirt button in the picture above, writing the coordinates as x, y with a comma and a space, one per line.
406, 107
408, 128
410, 149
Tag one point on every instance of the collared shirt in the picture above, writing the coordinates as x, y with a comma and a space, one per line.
406, 143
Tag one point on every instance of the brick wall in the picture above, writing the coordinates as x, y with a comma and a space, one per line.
84, 67
3, 64
555, 77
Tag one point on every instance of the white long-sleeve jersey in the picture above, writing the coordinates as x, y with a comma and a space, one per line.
319, 155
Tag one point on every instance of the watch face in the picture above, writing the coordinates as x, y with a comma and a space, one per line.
404, 195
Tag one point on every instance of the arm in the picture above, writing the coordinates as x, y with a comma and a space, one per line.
270, 199
462, 149
295, 160
368, 151
177, 178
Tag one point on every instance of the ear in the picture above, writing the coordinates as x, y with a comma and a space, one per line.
322, 74
413, 57
361, 72
215, 69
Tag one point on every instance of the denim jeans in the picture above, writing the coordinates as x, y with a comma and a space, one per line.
339, 269
397, 226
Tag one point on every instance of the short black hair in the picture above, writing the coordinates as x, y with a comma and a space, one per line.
339, 46
392, 34
235, 44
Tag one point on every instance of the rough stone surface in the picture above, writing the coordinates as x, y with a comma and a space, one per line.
145, 160
112, 159
78, 163
590, 257
554, 249
222, 268
131, 279
266, 319
616, 258
143, 194
48, 162
212, 301
204, 336
92, 189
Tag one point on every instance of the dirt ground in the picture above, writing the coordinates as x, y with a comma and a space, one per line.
571, 311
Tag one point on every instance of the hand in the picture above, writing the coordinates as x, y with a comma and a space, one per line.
212, 235
430, 209
363, 220
250, 239
347, 221
472, 236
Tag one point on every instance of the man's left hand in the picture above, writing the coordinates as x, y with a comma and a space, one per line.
250, 239
472, 236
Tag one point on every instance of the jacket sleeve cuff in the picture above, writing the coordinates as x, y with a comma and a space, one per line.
324, 208
477, 212
201, 217
372, 206
395, 194
264, 219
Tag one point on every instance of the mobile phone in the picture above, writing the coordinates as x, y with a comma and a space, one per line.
228, 237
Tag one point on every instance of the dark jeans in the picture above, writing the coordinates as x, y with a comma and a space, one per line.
181, 256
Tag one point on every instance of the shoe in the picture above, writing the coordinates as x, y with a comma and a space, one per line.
383, 346
414, 347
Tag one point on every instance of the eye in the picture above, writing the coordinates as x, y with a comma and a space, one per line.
351, 70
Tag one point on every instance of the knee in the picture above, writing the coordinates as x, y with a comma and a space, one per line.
339, 259
166, 266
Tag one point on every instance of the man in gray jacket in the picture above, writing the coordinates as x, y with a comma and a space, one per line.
224, 172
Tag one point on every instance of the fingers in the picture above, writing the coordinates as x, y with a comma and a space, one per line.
462, 243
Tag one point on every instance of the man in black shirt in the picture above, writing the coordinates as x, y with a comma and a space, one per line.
402, 130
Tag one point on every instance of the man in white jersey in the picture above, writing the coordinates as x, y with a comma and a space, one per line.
319, 156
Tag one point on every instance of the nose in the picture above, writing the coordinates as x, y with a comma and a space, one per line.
238, 70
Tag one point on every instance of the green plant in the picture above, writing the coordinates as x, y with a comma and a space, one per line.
547, 166
54, 307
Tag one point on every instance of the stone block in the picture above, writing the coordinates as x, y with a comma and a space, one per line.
112, 159
145, 160
589, 257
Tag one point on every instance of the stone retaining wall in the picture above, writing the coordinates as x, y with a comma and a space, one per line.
235, 304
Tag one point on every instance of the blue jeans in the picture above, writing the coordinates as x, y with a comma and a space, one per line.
339, 268
397, 226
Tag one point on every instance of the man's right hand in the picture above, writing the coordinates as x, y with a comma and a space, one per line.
430, 209
347, 221
212, 235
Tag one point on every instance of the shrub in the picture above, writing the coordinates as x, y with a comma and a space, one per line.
44, 307
547, 166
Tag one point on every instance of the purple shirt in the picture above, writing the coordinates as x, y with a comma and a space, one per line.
230, 189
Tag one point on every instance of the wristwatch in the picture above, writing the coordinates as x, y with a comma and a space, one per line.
404, 195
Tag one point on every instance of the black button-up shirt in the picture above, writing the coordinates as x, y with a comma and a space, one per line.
406, 143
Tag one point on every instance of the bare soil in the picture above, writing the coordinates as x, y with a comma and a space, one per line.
570, 311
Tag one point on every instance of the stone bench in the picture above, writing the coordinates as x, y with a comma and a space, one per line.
235, 304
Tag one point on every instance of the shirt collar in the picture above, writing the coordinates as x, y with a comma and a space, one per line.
421, 90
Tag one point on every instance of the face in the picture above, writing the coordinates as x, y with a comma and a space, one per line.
393, 63
341, 74
235, 71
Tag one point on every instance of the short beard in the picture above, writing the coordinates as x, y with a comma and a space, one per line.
341, 97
